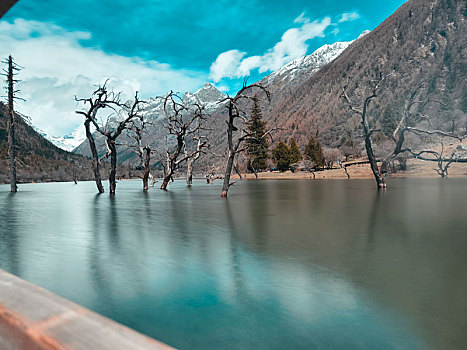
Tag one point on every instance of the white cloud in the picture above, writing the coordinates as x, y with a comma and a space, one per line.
226, 64
302, 19
349, 16
335, 31
293, 44
57, 68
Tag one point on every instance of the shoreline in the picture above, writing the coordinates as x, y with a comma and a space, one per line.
415, 169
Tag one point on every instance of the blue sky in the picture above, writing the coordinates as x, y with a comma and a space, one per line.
154, 46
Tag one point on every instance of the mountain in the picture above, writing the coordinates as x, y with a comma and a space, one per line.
422, 46
208, 95
423, 41
292, 74
67, 142
299, 70
38, 160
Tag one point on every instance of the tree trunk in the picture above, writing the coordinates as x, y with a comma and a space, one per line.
147, 159
168, 173
172, 163
238, 172
75, 177
166, 181
95, 158
228, 171
380, 180
11, 127
189, 172
254, 170
113, 167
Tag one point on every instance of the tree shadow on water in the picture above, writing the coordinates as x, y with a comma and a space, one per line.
9, 230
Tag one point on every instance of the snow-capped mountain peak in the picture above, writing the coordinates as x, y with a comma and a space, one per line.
208, 95
298, 70
293, 73
67, 142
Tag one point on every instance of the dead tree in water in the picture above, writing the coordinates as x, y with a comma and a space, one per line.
10, 74
101, 99
367, 131
181, 122
129, 111
443, 162
201, 144
398, 136
143, 149
236, 113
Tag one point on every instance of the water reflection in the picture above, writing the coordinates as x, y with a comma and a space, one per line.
305, 264
9, 234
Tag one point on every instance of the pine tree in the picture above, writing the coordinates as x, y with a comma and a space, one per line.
281, 156
314, 152
295, 154
257, 144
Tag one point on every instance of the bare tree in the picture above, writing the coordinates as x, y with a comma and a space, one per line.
235, 113
130, 111
201, 144
136, 128
403, 127
101, 99
10, 74
181, 122
367, 131
75, 175
459, 155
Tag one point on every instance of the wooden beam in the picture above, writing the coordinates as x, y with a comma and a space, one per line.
5, 5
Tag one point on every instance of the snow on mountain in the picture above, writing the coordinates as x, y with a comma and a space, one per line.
292, 74
68, 142
297, 71
208, 96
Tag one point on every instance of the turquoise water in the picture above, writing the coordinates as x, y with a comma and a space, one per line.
279, 265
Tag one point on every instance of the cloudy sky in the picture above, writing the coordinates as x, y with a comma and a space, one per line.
154, 46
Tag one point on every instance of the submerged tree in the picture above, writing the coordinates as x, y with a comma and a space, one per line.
367, 131
235, 141
142, 148
443, 161
10, 74
256, 145
201, 144
404, 125
111, 129
98, 100
182, 122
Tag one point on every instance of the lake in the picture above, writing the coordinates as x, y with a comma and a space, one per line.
325, 264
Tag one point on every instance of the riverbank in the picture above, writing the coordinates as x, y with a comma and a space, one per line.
415, 168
